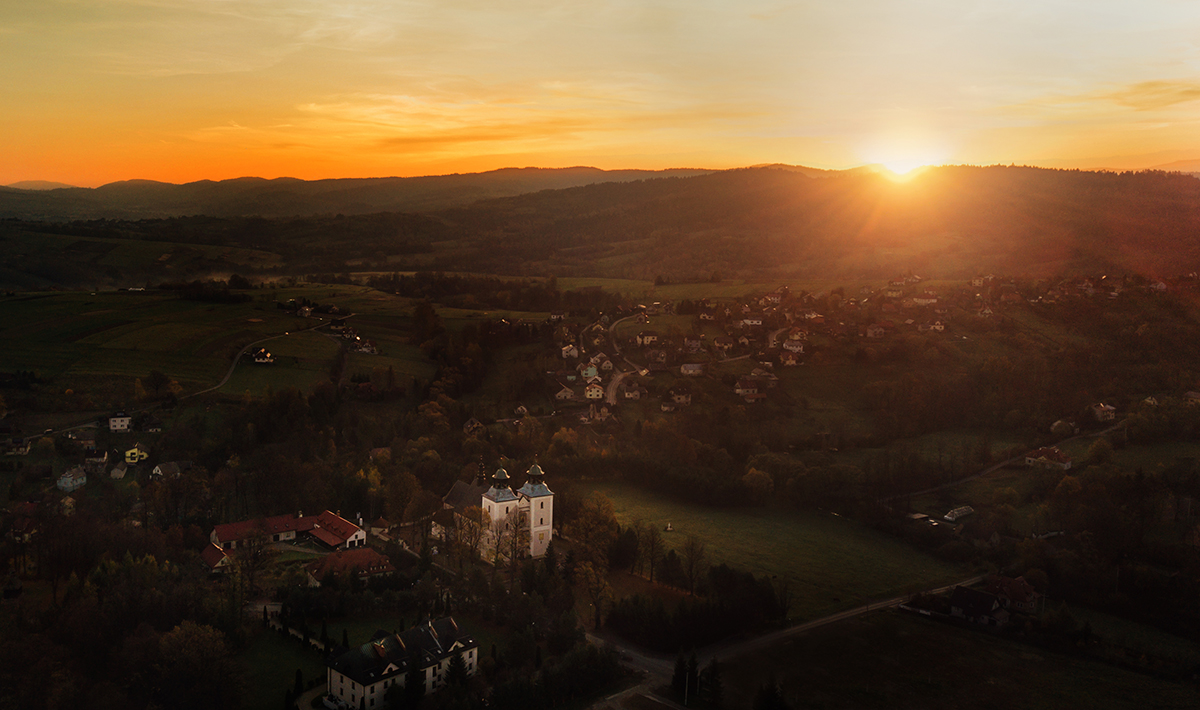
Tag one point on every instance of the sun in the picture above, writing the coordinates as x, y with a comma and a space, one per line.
903, 166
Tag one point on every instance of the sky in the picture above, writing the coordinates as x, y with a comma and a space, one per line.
96, 91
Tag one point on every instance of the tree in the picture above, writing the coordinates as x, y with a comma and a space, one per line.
594, 530
651, 547
195, 668
156, 381
770, 697
711, 688
694, 556
595, 583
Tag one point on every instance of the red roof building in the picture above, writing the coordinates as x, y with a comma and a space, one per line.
363, 561
328, 528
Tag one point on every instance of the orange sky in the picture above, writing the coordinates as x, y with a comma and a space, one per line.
179, 90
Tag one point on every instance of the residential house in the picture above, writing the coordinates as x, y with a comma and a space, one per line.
723, 343
692, 344
636, 392
789, 359
977, 607
875, 330
170, 469
473, 427
360, 677
1014, 594
119, 471
647, 337
593, 392
564, 394
119, 422
793, 346
263, 356
958, 513
570, 351
587, 370
680, 396
1048, 457
72, 480
746, 386
752, 322
217, 560
1103, 412
136, 454
691, 369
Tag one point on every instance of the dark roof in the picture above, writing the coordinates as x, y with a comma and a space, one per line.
973, 602
463, 495
388, 654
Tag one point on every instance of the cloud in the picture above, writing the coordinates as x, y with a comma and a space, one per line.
1151, 95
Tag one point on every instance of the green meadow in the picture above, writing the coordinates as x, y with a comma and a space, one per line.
830, 563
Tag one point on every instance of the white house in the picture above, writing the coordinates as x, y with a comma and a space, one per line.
119, 422
361, 676
72, 480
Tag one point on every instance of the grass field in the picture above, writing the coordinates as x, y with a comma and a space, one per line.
889, 660
98, 343
270, 663
829, 562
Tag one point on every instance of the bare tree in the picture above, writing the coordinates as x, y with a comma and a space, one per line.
651, 546
471, 522
694, 557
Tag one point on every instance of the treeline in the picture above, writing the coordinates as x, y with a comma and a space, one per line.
132, 622
727, 603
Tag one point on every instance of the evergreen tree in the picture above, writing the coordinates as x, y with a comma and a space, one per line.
679, 676
770, 697
456, 674
693, 676
298, 688
711, 687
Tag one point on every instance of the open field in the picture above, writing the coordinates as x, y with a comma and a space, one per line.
892, 660
830, 563
97, 344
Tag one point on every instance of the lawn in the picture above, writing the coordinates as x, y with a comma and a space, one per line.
270, 663
830, 563
890, 660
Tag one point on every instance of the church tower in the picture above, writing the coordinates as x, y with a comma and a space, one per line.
499, 500
538, 502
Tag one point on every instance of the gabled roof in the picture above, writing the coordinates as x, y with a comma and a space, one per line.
213, 556
388, 654
329, 528
363, 561
464, 495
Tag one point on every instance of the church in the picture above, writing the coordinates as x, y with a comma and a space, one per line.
529, 509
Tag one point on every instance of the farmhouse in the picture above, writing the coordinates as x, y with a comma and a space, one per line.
263, 356
328, 529
1048, 457
361, 676
647, 337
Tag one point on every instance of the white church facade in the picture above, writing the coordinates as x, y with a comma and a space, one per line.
529, 510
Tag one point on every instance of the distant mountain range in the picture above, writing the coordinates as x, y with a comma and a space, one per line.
38, 185
773, 222
288, 197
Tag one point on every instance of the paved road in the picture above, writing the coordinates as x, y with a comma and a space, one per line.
657, 669
238, 358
